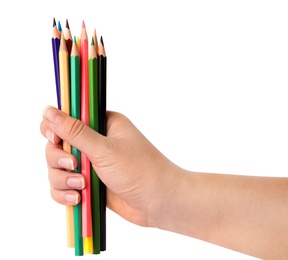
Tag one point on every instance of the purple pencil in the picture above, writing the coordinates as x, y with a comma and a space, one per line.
55, 49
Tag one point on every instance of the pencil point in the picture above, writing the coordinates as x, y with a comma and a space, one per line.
54, 22
101, 40
67, 24
59, 26
75, 39
92, 41
83, 24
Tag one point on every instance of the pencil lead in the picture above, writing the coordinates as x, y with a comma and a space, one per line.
67, 24
75, 39
59, 27
83, 24
101, 40
54, 22
92, 41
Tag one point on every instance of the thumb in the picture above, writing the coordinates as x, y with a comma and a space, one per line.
75, 132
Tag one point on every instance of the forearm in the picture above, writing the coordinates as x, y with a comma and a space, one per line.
243, 213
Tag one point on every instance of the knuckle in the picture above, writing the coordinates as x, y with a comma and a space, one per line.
76, 129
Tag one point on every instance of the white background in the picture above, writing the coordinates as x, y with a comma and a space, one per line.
205, 81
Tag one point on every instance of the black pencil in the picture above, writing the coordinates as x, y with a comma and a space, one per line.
102, 71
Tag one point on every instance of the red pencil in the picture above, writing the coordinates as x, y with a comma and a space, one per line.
86, 193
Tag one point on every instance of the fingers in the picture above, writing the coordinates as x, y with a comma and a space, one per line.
56, 125
70, 197
65, 180
64, 183
57, 158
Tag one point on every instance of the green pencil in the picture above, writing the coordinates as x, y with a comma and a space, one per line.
75, 112
94, 124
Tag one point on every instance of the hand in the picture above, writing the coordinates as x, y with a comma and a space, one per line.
138, 177
145, 188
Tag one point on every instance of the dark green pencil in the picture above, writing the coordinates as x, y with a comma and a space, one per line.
93, 113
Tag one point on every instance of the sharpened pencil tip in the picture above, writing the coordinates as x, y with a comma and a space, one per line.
101, 40
92, 41
54, 22
83, 24
67, 24
59, 26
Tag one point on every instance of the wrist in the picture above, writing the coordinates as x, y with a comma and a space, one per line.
167, 199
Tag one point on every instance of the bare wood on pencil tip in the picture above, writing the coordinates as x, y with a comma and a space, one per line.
75, 48
95, 41
83, 34
92, 53
55, 32
63, 46
102, 48
68, 35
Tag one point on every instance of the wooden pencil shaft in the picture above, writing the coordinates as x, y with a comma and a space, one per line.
75, 112
93, 103
102, 130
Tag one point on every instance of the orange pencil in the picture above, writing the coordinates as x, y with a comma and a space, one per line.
86, 193
65, 107
95, 42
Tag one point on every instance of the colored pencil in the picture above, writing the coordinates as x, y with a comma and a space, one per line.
68, 37
95, 41
55, 51
64, 73
102, 68
93, 102
86, 192
59, 28
75, 112
81, 88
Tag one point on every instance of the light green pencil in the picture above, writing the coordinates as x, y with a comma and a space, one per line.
75, 112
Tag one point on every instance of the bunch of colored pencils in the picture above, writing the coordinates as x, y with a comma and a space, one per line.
80, 77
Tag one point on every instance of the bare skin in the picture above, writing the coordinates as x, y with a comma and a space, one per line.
244, 213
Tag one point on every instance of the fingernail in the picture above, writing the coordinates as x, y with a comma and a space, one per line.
75, 183
51, 114
50, 136
66, 163
72, 198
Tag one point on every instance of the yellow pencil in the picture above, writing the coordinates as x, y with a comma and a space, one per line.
65, 107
